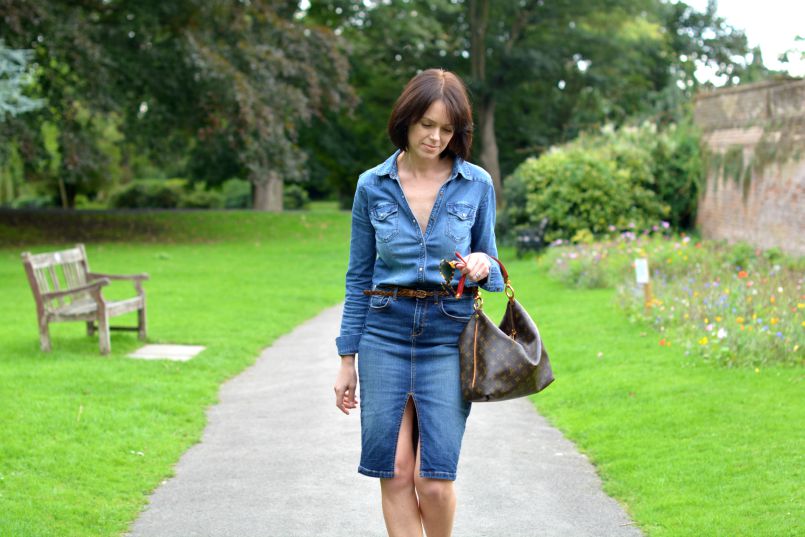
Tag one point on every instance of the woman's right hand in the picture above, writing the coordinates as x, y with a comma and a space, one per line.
345, 384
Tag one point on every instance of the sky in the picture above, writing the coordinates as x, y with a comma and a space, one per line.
772, 24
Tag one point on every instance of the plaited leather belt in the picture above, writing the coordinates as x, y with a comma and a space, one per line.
409, 292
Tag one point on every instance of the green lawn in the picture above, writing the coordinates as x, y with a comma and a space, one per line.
689, 449
85, 438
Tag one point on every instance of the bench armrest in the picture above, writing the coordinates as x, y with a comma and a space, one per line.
91, 286
96, 275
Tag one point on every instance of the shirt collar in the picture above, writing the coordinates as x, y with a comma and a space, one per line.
389, 168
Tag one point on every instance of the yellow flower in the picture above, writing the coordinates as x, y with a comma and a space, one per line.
771, 299
800, 305
703, 341
695, 293
757, 370
773, 320
718, 319
803, 324
754, 316
686, 316
795, 348
706, 321
739, 319
727, 291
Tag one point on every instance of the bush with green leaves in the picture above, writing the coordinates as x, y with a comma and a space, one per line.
201, 198
613, 180
585, 190
33, 201
295, 197
149, 194
237, 193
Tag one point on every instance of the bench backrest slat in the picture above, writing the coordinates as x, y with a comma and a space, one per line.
54, 271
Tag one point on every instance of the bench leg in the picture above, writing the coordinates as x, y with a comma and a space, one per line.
90, 328
103, 333
141, 330
44, 336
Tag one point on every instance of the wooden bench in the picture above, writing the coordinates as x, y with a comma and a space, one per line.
531, 239
66, 290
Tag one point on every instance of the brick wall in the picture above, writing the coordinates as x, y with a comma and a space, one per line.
757, 133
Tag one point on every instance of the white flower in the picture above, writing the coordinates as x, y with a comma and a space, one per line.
721, 334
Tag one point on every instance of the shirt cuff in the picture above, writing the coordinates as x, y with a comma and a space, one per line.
494, 281
348, 344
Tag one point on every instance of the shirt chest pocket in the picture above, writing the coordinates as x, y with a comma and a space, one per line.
384, 219
460, 218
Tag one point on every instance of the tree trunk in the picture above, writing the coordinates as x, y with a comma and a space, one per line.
489, 145
479, 18
267, 193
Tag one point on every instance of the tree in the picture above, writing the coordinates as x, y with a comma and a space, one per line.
15, 75
184, 76
544, 70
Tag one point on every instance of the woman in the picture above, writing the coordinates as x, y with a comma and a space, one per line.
420, 206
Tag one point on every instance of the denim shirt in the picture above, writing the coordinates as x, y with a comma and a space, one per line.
387, 247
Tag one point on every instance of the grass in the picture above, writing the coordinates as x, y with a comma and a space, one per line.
85, 438
687, 447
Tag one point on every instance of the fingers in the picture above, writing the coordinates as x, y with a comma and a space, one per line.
476, 267
345, 398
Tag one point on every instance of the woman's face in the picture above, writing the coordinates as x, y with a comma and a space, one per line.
429, 136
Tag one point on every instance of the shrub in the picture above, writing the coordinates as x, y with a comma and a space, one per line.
148, 194
82, 201
295, 197
237, 193
201, 198
33, 202
580, 189
654, 174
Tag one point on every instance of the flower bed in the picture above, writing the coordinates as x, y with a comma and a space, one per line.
733, 304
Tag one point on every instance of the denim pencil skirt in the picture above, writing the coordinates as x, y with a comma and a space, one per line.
409, 348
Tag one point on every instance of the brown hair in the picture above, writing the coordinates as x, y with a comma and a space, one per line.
423, 90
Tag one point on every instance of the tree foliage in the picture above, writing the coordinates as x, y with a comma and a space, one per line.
223, 80
539, 72
271, 92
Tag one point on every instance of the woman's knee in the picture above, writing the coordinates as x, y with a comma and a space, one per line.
402, 482
434, 490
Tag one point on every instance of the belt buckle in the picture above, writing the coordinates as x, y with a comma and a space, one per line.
420, 293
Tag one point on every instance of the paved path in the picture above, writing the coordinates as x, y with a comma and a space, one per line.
277, 459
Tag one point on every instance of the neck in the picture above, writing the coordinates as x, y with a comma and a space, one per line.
420, 167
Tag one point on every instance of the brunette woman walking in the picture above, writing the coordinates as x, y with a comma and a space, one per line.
419, 207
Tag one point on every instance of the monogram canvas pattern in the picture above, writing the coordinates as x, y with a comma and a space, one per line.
496, 365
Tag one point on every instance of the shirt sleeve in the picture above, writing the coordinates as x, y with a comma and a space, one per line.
359, 275
483, 240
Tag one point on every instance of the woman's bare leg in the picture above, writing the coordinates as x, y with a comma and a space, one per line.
437, 502
400, 508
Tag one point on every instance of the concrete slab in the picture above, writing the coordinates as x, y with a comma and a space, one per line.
180, 353
277, 459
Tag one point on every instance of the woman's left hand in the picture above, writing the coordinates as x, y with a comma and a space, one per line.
477, 266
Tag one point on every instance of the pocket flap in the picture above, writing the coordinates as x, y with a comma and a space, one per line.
382, 211
461, 210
